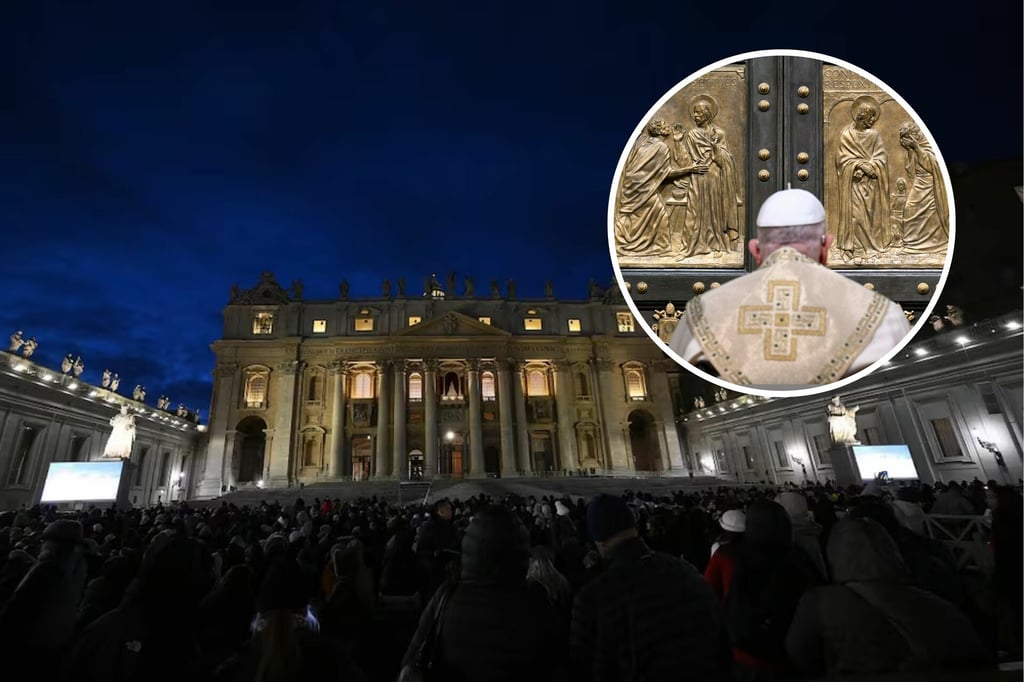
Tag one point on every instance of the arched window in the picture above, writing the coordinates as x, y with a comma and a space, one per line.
256, 389
415, 387
487, 385
362, 385
582, 384
635, 385
314, 389
452, 387
536, 383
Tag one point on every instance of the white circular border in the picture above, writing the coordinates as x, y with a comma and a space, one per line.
767, 393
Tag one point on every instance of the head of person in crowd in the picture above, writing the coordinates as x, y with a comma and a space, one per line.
610, 521
495, 548
444, 511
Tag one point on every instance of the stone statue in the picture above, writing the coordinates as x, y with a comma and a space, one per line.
16, 342
510, 285
115, 382
451, 283
668, 320
66, 364
468, 284
696, 403
105, 382
842, 423
136, 392
142, 394
343, 289
30, 347
78, 367
181, 410
386, 287
549, 289
236, 293
401, 287
595, 290
123, 435
297, 289
495, 289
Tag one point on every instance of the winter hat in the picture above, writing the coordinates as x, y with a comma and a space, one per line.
561, 508
795, 505
608, 515
734, 521
64, 531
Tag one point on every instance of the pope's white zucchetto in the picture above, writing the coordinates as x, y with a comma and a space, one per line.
791, 208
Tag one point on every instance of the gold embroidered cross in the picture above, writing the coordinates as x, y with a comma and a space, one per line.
782, 320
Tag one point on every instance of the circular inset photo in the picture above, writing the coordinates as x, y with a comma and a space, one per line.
781, 223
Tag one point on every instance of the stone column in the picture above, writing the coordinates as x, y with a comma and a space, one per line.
568, 458
522, 433
336, 464
661, 395
234, 460
225, 395
508, 453
284, 410
430, 418
268, 444
382, 459
399, 469
612, 395
476, 432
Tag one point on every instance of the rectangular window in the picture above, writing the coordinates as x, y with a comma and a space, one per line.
823, 445
946, 435
485, 320
625, 322
871, 436
263, 323
364, 324
414, 319
574, 325
780, 455
533, 324
319, 326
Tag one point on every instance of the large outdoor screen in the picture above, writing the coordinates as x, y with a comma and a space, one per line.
82, 481
892, 460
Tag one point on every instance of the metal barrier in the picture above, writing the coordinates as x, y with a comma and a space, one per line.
966, 536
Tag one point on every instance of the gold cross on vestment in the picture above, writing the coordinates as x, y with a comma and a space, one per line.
782, 320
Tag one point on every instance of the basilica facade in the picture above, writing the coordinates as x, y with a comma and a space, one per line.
434, 384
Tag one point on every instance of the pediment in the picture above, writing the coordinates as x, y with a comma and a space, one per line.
454, 324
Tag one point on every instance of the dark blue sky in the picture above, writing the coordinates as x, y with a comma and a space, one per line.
155, 152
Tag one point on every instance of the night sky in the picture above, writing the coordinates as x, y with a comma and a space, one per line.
156, 152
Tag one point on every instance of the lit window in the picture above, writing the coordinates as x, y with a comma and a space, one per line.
415, 387
364, 324
485, 320
414, 319
533, 324
487, 385
574, 325
256, 390
625, 321
362, 386
263, 323
536, 383
635, 388
319, 326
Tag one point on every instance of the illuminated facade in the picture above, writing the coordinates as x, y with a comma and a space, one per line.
434, 384
47, 416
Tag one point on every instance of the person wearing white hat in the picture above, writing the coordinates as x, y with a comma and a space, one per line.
793, 322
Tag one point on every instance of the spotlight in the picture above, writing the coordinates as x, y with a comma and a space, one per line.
920, 352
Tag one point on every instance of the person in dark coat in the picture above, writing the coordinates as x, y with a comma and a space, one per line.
871, 620
438, 539
496, 626
647, 616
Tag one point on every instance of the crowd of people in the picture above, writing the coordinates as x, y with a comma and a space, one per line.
732, 583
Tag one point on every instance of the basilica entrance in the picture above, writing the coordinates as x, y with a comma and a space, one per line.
362, 458
416, 465
452, 451
492, 460
643, 440
253, 447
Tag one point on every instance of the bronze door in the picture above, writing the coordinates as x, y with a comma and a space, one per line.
735, 135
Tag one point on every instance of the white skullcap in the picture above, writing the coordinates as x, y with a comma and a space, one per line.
734, 521
790, 208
